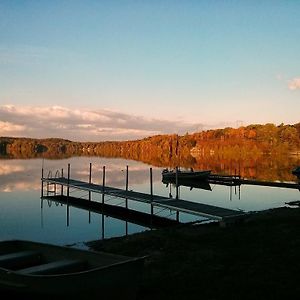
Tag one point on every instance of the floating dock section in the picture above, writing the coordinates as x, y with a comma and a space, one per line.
236, 180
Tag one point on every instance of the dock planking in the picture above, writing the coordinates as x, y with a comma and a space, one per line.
199, 209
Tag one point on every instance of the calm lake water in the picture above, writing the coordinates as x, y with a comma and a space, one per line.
23, 215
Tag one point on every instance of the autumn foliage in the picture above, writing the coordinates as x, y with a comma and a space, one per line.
249, 151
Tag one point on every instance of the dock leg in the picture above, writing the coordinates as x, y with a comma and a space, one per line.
126, 187
62, 186
90, 181
151, 191
126, 200
90, 193
103, 184
42, 183
176, 176
68, 187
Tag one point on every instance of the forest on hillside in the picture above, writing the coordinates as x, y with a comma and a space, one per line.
229, 150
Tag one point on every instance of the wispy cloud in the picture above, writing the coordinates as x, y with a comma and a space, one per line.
84, 124
294, 84
7, 127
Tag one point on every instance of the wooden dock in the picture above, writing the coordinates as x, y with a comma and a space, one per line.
179, 205
229, 180
236, 180
287, 185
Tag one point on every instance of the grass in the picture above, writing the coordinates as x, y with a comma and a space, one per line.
258, 259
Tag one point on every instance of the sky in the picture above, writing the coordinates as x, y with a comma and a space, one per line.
117, 70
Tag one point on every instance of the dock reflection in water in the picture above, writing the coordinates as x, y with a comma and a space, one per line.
98, 215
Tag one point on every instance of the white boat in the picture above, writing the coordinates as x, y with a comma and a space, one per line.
37, 269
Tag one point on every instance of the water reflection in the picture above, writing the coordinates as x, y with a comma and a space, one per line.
20, 175
21, 215
124, 226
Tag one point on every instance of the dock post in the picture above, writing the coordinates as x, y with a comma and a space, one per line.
42, 183
126, 199
90, 181
103, 184
90, 174
151, 184
151, 190
176, 176
47, 188
126, 186
62, 186
68, 187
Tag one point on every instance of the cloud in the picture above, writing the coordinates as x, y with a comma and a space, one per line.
84, 124
7, 169
7, 127
294, 84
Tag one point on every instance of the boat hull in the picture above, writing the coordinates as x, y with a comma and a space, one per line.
185, 175
117, 278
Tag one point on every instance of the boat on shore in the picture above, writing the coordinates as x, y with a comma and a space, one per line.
186, 175
44, 270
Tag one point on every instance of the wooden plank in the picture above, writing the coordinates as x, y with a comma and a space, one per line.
200, 209
288, 185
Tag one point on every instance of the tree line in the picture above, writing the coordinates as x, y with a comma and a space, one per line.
225, 150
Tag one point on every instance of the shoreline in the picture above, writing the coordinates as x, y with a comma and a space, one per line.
256, 259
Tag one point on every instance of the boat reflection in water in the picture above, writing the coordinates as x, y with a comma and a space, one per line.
191, 183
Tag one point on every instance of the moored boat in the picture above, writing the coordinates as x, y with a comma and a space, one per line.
58, 271
195, 175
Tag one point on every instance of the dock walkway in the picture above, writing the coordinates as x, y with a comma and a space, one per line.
236, 180
209, 211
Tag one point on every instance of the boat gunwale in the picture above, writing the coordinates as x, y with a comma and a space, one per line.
17, 273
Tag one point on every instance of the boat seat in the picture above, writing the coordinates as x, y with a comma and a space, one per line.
20, 259
56, 267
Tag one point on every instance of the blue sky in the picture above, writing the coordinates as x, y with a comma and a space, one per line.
163, 66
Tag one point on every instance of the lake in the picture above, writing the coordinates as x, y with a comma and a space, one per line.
23, 215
